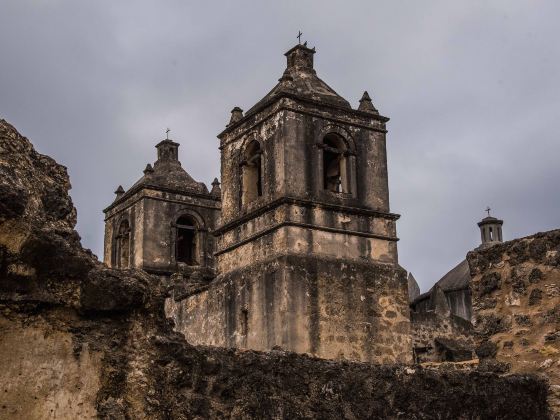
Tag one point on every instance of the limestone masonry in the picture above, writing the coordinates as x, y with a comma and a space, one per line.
297, 248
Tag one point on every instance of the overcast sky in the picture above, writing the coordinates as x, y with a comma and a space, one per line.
472, 89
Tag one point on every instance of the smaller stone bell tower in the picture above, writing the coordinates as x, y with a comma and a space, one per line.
163, 220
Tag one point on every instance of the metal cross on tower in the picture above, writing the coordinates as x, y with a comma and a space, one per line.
487, 210
167, 133
299, 36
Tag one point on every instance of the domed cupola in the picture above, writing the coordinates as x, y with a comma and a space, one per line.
490, 230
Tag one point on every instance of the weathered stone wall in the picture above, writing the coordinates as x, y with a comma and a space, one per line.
300, 239
132, 367
161, 215
323, 307
516, 305
80, 340
287, 386
289, 134
43, 374
290, 131
438, 338
152, 215
132, 211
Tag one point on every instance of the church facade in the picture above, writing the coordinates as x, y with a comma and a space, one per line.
297, 248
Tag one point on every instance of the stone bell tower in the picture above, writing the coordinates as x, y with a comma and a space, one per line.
304, 171
307, 247
163, 220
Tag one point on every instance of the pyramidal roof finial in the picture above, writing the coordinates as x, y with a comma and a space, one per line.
148, 169
366, 104
236, 115
216, 190
119, 192
300, 58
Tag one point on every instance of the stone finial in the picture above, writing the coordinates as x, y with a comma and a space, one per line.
216, 190
119, 192
167, 151
149, 170
301, 58
236, 115
366, 105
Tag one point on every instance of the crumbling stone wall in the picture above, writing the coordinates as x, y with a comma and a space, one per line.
44, 375
439, 338
516, 305
79, 340
437, 333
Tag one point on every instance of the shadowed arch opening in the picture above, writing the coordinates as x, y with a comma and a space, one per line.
123, 245
252, 179
335, 164
186, 243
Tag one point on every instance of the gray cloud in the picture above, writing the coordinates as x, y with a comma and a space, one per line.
471, 88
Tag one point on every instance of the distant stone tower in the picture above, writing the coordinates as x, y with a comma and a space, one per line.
490, 230
164, 219
455, 284
307, 247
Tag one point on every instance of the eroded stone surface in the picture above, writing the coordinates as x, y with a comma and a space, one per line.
44, 375
323, 307
516, 305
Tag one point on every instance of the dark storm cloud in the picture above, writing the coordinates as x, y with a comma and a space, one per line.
471, 88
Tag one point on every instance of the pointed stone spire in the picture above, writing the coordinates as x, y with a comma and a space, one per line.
236, 115
149, 170
119, 192
216, 190
366, 105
